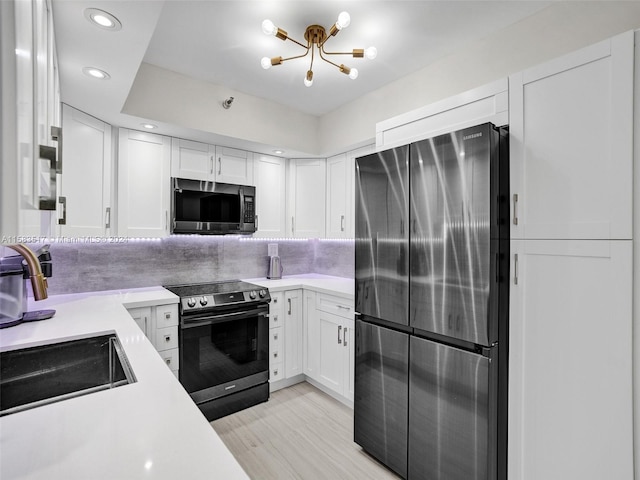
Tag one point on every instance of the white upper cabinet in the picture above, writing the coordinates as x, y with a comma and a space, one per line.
233, 166
571, 143
340, 204
270, 175
201, 161
193, 160
339, 193
306, 198
85, 187
144, 178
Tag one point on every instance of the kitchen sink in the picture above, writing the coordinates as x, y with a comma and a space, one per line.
38, 375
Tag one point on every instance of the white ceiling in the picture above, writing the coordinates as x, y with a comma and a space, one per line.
222, 42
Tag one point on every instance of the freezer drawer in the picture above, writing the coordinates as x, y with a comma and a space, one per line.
381, 394
452, 413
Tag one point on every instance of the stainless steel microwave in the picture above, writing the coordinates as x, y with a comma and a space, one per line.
212, 208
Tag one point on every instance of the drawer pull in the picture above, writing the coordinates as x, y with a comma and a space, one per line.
275, 372
167, 338
275, 336
167, 315
275, 354
168, 361
275, 318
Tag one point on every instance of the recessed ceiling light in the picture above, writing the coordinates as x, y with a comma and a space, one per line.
278, 152
96, 73
102, 19
149, 126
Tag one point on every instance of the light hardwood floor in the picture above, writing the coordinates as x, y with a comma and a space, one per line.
300, 433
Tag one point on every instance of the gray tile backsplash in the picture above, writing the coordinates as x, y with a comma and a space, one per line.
86, 267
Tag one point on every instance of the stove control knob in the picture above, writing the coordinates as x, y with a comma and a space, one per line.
262, 293
203, 301
252, 294
191, 302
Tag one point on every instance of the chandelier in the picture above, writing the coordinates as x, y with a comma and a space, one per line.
316, 37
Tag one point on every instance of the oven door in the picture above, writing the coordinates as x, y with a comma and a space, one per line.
225, 353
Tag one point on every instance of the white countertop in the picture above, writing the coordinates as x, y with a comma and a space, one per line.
339, 286
148, 429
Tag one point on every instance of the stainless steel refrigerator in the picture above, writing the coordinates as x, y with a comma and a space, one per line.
431, 263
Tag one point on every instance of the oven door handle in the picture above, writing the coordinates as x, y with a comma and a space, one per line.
211, 319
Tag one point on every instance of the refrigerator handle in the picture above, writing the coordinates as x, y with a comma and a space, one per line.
339, 332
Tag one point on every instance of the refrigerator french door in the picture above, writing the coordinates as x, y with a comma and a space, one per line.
453, 237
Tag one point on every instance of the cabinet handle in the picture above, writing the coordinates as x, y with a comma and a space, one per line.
167, 338
515, 269
275, 318
275, 299
107, 217
289, 301
63, 202
342, 223
343, 307
515, 209
256, 221
339, 332
166, 220
49, 154
219, 165
292, 226
275, 336
168, 361
56, 136
344, 336
167, 315
146, 330
401, 227
211, 164
275, 354
275, 372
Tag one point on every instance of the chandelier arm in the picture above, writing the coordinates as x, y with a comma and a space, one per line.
297, 56
327, 60
301, 44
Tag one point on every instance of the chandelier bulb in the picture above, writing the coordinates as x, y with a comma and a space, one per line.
268, 27
353, 74
266, 63
371, 53
308, 80
344, 19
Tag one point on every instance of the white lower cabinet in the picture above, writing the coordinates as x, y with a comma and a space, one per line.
293, 343
159, 323
330, 340
570, 360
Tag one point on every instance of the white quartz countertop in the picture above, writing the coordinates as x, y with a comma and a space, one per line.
339, 286
149, 429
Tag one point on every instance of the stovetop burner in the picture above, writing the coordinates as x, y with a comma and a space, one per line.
197, 297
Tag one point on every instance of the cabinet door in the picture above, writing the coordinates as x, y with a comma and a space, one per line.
142, 317
331, 367
192, 160
85, 187
143, 184
234, 166
306, 207
570, 360
311, 335
339, 179
571, 140
270, 196
293, 333
349, 362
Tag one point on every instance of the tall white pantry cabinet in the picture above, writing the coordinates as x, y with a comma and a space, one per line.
571, 358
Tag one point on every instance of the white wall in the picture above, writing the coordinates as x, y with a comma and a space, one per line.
170, 97
554, 31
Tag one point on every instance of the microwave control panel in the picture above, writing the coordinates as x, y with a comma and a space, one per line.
249, 210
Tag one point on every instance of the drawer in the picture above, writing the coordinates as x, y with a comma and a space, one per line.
170, 357
336, 305
277, 302
275, 345
166, 338
276, 372
166, 315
